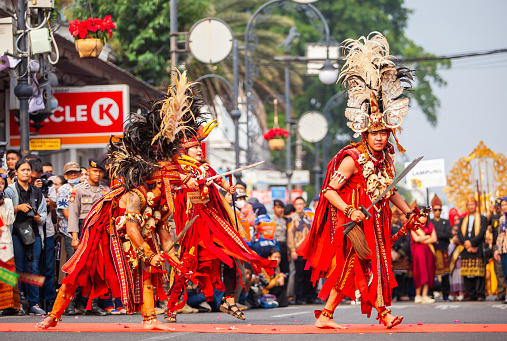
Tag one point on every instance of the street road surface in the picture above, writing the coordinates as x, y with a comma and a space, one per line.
456, 313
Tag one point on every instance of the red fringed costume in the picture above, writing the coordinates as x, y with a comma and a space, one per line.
214, 234
106, 261
330, 253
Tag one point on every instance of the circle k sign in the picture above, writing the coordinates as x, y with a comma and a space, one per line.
86, 115
105, 111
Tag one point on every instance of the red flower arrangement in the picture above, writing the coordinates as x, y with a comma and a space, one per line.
276, 132
92, 28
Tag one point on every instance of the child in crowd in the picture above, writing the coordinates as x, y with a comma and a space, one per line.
276, 284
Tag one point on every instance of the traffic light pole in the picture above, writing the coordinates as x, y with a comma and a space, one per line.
23, 90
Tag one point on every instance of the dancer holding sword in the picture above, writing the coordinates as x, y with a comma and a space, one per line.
118, 250
349, 243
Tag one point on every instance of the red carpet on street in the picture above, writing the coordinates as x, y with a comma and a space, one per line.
259, 329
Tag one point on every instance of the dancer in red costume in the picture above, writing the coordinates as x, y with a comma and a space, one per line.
214, 235
359, 264
119, 249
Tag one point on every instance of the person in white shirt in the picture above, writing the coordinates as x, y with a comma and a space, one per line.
9, 296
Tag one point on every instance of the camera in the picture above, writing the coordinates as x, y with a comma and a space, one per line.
45, 185
31, 214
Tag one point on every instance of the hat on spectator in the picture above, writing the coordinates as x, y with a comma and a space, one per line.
471, 199
278, 202
252, 201
31, 157
436, 201
71, 167
259, 209
240, 193
97, 162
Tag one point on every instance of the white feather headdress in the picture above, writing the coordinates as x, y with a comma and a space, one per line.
374, 85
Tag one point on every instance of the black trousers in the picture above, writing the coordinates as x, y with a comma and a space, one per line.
446, 286
229, 275
284, 261
281, 295
303, 284
475, 287
500, 276
403, 285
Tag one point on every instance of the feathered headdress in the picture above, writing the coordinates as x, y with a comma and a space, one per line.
200, 135
157, 134
374, 85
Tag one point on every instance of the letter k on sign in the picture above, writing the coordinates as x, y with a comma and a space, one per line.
104, 112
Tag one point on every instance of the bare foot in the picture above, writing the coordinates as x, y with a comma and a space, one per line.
326, 322
48, 322
156, 325
391, 321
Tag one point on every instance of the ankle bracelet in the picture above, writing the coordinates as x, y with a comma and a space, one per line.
327, 313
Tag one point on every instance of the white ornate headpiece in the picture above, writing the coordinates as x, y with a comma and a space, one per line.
374, 85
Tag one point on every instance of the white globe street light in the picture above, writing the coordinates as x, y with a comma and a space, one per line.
328, 74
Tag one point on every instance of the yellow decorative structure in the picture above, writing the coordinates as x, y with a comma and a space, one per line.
483, 173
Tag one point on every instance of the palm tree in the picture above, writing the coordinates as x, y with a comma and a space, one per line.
271, 33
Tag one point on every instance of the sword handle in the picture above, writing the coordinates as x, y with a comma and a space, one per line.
365, 212
349, 226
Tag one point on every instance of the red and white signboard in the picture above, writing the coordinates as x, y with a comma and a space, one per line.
86, 116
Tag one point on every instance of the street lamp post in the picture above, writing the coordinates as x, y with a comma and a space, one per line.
251, 74
213, 27
288, 166
23, 90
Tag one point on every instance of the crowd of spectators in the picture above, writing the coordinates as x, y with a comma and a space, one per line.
463, 258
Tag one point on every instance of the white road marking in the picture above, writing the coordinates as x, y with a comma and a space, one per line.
165, 336
448, 306
500, 306
291, 314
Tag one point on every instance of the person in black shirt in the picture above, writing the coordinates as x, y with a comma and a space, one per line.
443, 229
31, 212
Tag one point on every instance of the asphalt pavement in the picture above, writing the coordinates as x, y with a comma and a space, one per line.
457, 313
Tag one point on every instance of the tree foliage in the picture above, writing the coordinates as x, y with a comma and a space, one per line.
141, 40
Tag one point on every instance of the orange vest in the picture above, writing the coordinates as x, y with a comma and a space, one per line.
246, 226
266, 228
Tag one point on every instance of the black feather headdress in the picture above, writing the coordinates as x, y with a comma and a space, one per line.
157, 134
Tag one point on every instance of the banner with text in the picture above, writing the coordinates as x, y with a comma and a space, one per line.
86, 116
427, 174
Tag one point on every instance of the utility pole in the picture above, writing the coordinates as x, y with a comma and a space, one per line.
288, 121
173, 30
236, 113
23, 90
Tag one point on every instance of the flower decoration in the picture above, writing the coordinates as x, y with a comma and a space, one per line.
92, 28
276, 132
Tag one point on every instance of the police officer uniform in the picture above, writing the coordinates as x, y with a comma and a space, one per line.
82, 198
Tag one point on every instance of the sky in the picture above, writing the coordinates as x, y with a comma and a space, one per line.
472, 107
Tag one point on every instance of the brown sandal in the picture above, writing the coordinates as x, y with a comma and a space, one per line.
235, 313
